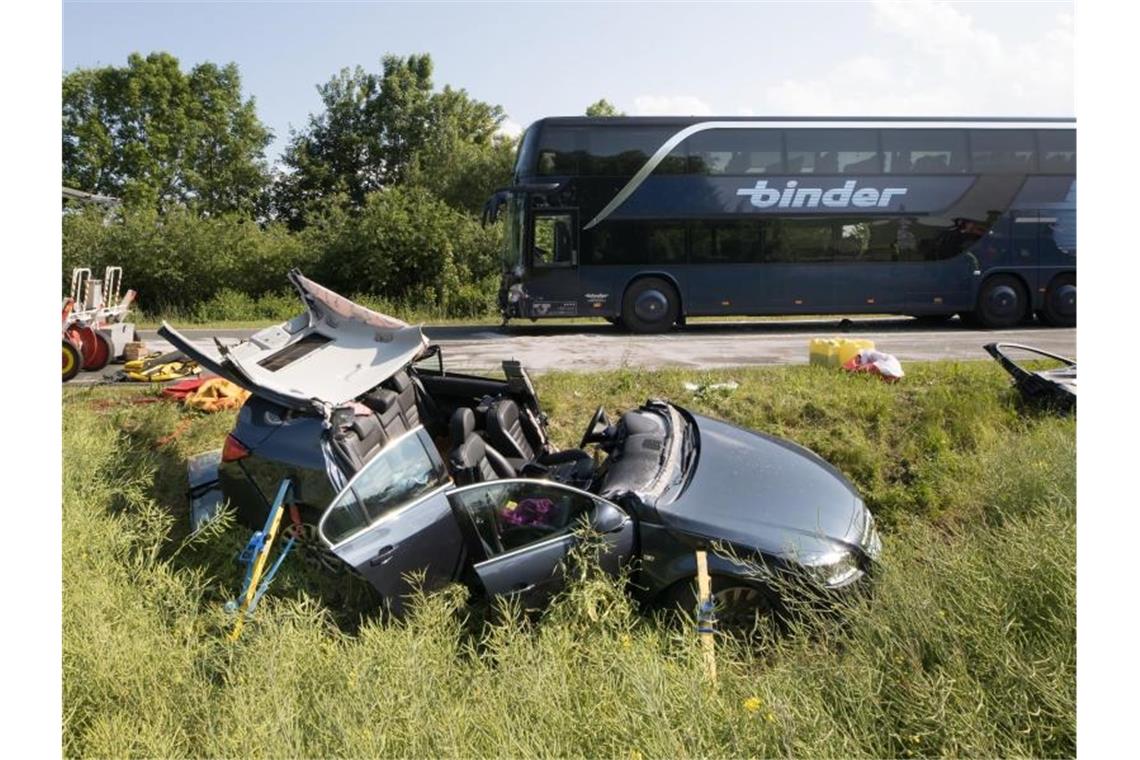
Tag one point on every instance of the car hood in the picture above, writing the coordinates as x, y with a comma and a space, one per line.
765, 493
328, 355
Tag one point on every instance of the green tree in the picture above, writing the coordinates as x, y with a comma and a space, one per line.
391, 128
156, 136
603, 107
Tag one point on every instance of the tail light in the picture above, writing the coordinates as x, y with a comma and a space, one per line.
233, 450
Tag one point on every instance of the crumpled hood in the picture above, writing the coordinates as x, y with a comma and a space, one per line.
765, 493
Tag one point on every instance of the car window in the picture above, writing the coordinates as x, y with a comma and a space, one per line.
402, 472
514, 514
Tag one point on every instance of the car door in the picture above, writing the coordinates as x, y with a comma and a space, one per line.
393, 518
520, 531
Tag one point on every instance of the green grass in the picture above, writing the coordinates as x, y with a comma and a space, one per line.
967, 646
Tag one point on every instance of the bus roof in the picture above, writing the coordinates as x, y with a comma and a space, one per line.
1027, 122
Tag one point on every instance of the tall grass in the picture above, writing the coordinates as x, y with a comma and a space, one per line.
966, 647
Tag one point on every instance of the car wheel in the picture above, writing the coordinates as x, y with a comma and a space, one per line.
1001, 302
71, 361
309, 546
1061, 302
741, 606
650, 306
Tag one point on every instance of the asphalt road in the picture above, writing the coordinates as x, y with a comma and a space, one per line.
543, 347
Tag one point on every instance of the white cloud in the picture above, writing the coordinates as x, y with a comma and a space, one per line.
949, 65
510, 128
670, 105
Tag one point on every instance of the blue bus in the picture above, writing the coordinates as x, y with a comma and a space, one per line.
649, 220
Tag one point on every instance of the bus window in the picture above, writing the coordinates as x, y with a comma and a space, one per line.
726, 242
620, 151
797, 240
736, 151
561, 151
924, 151
834, 151
1058, 150
665, 243
553, 241
1002, 151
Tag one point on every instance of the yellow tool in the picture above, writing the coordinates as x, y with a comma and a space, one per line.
256, 553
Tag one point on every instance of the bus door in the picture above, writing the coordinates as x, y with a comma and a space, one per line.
552, 284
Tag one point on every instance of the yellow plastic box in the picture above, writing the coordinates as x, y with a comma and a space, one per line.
835, 352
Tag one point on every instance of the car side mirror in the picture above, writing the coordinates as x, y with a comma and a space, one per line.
607, 518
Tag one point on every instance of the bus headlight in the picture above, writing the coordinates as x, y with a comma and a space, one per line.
515, 293
835, 569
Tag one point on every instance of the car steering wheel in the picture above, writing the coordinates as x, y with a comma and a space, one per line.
591, 435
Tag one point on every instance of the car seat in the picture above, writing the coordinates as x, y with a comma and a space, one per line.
471, 459
521, 441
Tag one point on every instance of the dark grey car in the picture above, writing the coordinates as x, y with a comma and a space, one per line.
402, 466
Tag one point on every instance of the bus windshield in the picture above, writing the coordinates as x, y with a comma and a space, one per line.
513, 232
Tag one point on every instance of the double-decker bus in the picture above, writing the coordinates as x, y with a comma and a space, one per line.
649, 220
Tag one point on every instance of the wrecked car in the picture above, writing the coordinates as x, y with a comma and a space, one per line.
401, 465
1055, 387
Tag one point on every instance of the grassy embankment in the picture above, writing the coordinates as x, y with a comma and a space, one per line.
967, 647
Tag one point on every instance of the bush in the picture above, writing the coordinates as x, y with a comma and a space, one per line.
178, 260
405, 247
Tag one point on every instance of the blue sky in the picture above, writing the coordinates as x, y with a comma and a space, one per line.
542, 59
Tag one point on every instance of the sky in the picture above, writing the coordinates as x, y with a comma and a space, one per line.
553, 59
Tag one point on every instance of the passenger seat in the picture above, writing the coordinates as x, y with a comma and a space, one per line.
520, 440
472, 460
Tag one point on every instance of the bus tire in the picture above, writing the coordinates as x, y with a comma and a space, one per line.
1001, 302
1061, 301
650, 305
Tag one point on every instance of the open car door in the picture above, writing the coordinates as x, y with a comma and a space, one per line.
393, 518
520, 532
328, 355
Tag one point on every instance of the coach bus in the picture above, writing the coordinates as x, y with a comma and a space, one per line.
649, 220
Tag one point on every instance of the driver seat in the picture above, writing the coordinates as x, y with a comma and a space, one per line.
520, 440
472, 460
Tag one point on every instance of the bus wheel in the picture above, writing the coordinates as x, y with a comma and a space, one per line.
1001, 303
1061, 301
649, 306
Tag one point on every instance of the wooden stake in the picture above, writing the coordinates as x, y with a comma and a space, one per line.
704, 622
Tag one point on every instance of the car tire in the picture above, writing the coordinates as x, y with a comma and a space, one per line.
741, 605
1002, 302
650, 305
71, 360
1061, 301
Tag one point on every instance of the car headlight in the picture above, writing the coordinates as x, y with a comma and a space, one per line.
835, 569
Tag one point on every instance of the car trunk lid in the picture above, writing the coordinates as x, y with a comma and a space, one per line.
330, 354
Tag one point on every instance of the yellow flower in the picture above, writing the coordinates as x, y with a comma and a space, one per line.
752, 704
626, 641
770, 717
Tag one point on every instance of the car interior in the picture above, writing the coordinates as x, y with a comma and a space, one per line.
488, 429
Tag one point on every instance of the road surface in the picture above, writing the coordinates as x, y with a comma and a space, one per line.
706, 345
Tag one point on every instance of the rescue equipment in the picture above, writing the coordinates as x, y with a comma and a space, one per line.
255, 555
93, 321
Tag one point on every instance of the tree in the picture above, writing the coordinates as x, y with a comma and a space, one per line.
603, 107
156, 136
388, 129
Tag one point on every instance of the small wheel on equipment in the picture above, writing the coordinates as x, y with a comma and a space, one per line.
650, 306
71, 360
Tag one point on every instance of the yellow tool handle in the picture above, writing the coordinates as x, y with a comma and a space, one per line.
258, 569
